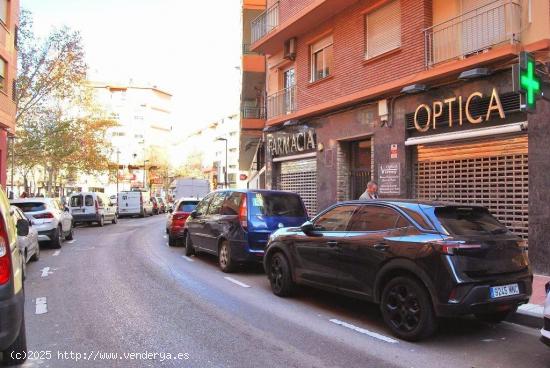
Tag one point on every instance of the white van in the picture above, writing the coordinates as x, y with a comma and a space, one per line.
92, 207
134, 203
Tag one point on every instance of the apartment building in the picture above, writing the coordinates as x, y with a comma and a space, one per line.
9, 20
253, 113
143, 135
418, 95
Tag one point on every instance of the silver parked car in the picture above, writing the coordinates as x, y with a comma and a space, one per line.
52, 221
29, 243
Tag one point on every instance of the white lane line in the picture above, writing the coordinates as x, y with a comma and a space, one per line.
46, 272
41, 305
231, 279
188, 259
365, 332
56, 253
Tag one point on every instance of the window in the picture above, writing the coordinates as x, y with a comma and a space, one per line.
402, 222
89, 200
202, 207
187, 206
469, 221
383, 29
232, 204
374, 218
31, 206
321, 59
216, 204
336, 219
100, 201
4, 9
271, 204
76, 201
3, 71
232, 178
119, 134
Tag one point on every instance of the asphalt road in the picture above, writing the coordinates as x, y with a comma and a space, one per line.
118, 296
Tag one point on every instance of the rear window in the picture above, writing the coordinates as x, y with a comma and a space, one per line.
187, 206
76, 201
276, 204
89, 200
31, 206
469, 221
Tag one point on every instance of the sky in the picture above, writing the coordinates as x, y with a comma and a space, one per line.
189, 48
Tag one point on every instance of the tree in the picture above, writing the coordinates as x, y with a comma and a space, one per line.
58, 124
192, 168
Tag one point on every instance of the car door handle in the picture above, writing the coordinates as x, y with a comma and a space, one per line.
332, 244
381, 246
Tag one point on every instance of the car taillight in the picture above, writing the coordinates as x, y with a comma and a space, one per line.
243, 213
5, 254
452, 247
45, 215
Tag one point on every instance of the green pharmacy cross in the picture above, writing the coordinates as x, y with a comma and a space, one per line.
529, 82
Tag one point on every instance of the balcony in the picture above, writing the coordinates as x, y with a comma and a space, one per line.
265, 22
253, 112
281, 103
473, 32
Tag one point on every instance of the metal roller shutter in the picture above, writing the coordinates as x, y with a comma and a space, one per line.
493, 173
301, 177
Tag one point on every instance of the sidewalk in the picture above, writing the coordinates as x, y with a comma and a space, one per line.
531, 314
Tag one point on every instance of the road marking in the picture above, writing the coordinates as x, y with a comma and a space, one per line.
231, 279
188, 259
365, 332
41, 305
164, 236
56, 253
70, 242
46, 272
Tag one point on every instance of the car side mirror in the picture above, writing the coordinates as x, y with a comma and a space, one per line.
307, 227
22, 227
194, 214
170, 210
66, 209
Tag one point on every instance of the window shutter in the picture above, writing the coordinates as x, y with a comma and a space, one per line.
319, 45
383, 28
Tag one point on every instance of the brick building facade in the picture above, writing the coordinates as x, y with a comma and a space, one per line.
418, 95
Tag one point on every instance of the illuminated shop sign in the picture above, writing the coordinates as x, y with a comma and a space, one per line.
436, 109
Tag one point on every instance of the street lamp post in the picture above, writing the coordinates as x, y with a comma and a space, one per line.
225, 168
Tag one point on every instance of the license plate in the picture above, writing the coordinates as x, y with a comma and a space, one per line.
504, 290
78, 211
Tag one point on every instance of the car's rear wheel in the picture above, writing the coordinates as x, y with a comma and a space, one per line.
172, 242
57, 238
189, 248
224, 257
496, 317
280, 276
17, 352
101, 222
115, 219
407, 309
36, 256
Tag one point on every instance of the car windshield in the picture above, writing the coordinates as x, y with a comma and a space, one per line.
31, 206
76, 201
469, 221
187, 206
276, 204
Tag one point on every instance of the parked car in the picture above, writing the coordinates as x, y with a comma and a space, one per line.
134, 203
235, 224
161, 205
418, 260
156, 208
175, 221
545, 331
53, 222
28, 244
13, 342
92, 207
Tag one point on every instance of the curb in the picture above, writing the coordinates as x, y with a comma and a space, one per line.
530, 315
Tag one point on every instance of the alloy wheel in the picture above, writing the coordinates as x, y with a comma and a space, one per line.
403, 308
224, 256
276, 274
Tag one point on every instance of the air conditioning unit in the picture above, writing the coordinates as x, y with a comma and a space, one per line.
290, 49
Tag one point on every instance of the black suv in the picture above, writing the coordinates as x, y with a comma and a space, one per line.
418, 260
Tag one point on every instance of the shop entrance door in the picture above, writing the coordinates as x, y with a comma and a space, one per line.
360, 167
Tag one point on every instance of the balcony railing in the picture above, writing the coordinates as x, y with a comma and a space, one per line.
473, 32
282, 102
265, 22
253, 112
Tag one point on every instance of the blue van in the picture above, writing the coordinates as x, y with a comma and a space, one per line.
236, 224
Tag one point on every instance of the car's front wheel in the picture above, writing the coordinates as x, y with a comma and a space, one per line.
407, 309
189, 248
280, 276
17, 352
